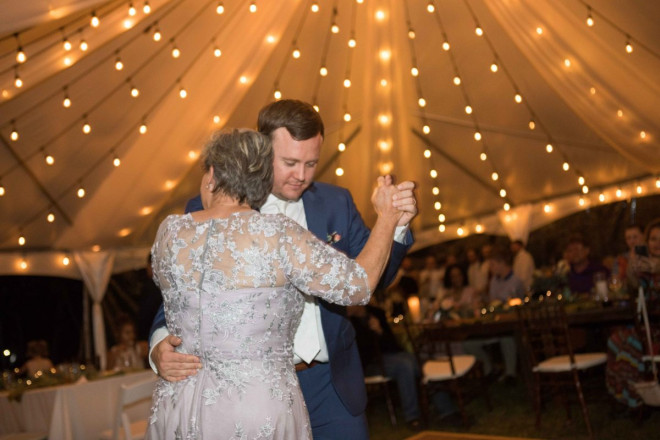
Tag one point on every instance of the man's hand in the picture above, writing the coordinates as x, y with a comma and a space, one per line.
405, 201
173, 366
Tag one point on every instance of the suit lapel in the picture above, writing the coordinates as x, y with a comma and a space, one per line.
315, 213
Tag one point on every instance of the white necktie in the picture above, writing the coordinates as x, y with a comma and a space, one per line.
306, 341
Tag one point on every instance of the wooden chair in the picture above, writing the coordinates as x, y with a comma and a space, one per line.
547, 349
128, 395
442, 370
379, 383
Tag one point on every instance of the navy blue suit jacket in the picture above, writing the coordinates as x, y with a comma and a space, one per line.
330, 210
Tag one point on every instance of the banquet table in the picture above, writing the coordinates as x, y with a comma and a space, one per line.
73, 411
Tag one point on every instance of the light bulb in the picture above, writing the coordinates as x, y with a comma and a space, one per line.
457, 80
590, 20
494, 67
531, 125
468, 109
20, 55
546, 208
220, 9
253, 7
581, 201
323, 71
426, 129
157, 35
427, 153
433, 174
601, 197
217, 52
116, 161
347, 117
619, 193
414, 71
339, 171
334, 29
14, 135
518, 98
411, 34
315, 7
639, 189
118, 64
21, 241
83, 45
131, 10
565, 166
296, 53
430, 8
494, 176
446, 46
50, 217
2, 191
581, 180
341, 146
441, 218
478, 31
352, 43
506, 206
441, 228
95, 22
347, 83
483, 156
183, 93
66, 102
435, 191
146, 8
87, 129
81, 192
629, 48
585, 189
549, 148
421, 102
277, 94
477, 136
143, 128
437, 206
502, 193
176, 53
18, 82
49, 159
66, 261
66, 44
135, 92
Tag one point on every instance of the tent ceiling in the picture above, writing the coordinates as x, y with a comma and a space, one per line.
592, 112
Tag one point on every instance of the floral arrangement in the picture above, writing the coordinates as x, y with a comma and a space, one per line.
333, 238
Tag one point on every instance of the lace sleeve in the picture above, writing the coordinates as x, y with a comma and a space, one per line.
316, 268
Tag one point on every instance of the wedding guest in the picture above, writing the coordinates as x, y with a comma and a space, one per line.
477, 279
127, 353
459, 299
37, 354
523, 263
583, 269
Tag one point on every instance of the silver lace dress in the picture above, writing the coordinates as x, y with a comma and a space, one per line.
232, 291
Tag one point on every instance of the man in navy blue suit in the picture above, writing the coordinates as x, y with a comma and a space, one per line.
326, 356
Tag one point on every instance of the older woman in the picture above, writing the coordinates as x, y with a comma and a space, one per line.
231, 280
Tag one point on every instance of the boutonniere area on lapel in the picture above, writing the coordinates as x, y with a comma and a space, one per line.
333, 238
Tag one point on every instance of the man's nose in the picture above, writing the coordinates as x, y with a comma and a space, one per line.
299, 173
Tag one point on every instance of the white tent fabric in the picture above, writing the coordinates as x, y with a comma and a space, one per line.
95, 269
396, 99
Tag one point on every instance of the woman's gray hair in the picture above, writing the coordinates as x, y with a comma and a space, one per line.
242, 162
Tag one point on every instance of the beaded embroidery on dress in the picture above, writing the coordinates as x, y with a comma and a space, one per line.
231, 290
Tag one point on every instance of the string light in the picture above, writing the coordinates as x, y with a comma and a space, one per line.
502, 193
580, 180
339, 171
143, 128
441, 228
441, 218
581, 201
629, 47
14, 133
315, 7
549, 148
182, 92
479, 228
2, 190
619, 193
411, 34
253, 7
65, 261
146, 8
66, 44
483, 157
347, 83
50, 160
601, 197
531, 125
116, 161
478, 31
585, 189
83, 44
334, 28
50, 217
217, 52
277, 94
565, 166
477, 136
590, 19
446, 46
639, 189
494, 176
21, 240
518, 98
220, 9
341, 147
494, 67
118, 63
176, 53
323, 71
66, 102
352, 43
87, 129
20, 54
457, 80
95, 22
547, 208
426, 129
414, 71
506, 207
427, 153
81, 192
18, 82
433, 173
435, 190
296, 53
157, 35
135, 92
437, 206
347, 117
430, 8
468, 109
131, 9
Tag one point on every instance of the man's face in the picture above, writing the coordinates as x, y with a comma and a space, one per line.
294, 163
633, 238
577, 253
499, 267
654, 242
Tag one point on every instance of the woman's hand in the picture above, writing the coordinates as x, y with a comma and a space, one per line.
383, 199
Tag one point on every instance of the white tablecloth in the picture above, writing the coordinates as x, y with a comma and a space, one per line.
71, 412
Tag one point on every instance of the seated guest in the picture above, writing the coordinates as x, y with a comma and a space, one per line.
381, 353
581, 275
458, 299
37, 354
127, 353
625, 346
523, 263
504, 285
476, 278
